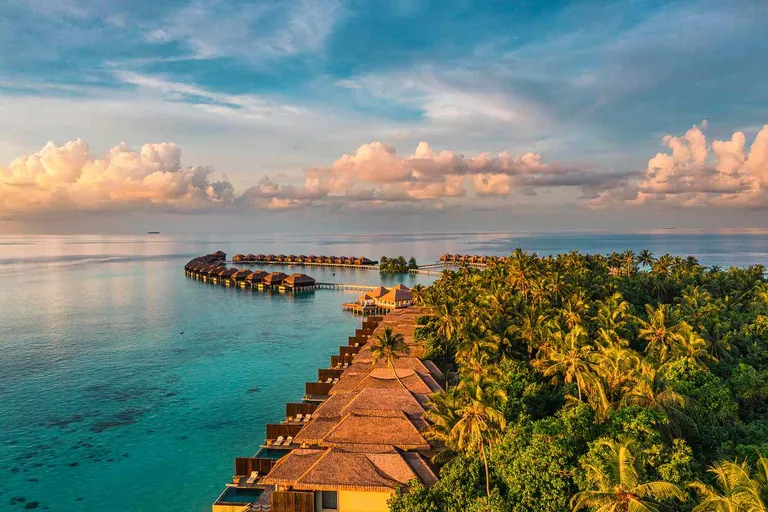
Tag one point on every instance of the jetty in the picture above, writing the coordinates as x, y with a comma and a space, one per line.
210, 268
353, 439
359, 262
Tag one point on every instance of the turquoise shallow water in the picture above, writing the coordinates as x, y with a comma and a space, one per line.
104, 404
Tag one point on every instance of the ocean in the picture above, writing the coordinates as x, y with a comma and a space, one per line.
125, 385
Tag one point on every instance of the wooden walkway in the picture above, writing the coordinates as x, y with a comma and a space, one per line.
305, 264
343, 286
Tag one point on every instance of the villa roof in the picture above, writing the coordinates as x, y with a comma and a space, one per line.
377, 292
275, 277
256, 275
339, 469
376, 426
365, 296
299, 279
396, 295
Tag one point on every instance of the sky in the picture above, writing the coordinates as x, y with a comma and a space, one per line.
382, 115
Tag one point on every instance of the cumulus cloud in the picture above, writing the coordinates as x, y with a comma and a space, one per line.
68, 177
693, 173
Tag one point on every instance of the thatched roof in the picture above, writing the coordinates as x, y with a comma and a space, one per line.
275, 278
299, 280
396, 295
365, 297
339, 469
377, 292
289, 468
256, 275
400, 286
229, 272
241, 275
386, 427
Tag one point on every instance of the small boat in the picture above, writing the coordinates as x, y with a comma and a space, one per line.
153, 232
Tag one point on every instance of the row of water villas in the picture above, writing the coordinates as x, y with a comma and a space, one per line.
209, 270
467, 258
351, 261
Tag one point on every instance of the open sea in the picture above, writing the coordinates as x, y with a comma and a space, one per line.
126, 386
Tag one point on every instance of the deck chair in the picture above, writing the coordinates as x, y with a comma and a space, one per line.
298, 417
251, 479
307, 417
278, 441
288, 441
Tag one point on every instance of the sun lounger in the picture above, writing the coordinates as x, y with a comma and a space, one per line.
307, 417
251, 479
288, 441
328, 380
278, 441
299, 417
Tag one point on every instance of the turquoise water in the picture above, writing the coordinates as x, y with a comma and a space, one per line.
105, 404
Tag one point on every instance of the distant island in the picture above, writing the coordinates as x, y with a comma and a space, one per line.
153, 232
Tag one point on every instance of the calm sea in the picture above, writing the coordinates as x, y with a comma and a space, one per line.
126, 386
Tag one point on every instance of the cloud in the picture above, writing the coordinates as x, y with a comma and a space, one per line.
69, 178
262, 32
693, 173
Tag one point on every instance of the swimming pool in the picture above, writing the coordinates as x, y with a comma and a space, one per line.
238, 495
271, 453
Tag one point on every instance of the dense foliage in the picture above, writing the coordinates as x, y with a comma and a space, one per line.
588, 382
396, 265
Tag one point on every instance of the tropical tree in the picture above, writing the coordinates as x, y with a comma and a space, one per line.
645, 258
567, 356
388, 347
736, 490
618, 483
659, 331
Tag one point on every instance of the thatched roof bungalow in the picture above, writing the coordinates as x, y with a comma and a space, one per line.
378, 292
280, 257
240, 276
257, 276
250, 257
238, 257
270, 257
397, 298
220, 255
260, 257
378, 472
274, 278
298, 281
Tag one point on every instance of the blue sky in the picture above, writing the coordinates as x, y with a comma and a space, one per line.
248, 89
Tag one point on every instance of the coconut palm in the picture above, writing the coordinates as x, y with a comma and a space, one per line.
568, 356
660, 332
388, 347
645, 258
480, 421
618, 484
737, 490
651, 390
612, 312
417, 294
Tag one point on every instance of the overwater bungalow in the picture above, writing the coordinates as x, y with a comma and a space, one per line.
298, 281
250, 257
396, 298
312, 258
280, 258
445, 258
274, 278
291, 258
220, 256
238, 257
256, 277
328, 259
260, 257
226, 276
366, 299
270, 257
240, 276
301, 258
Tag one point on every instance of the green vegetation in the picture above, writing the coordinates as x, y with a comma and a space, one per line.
396, 265
606, 383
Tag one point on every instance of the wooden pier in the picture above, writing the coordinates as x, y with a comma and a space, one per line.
306, 264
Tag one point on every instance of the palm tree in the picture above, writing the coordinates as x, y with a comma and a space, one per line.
651, 390
569, 356
388, 347
612, 312
645, 258
480, 421
417, 294
737, 490
618, 485
661, 337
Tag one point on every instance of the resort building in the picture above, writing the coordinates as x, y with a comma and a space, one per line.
350, 450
